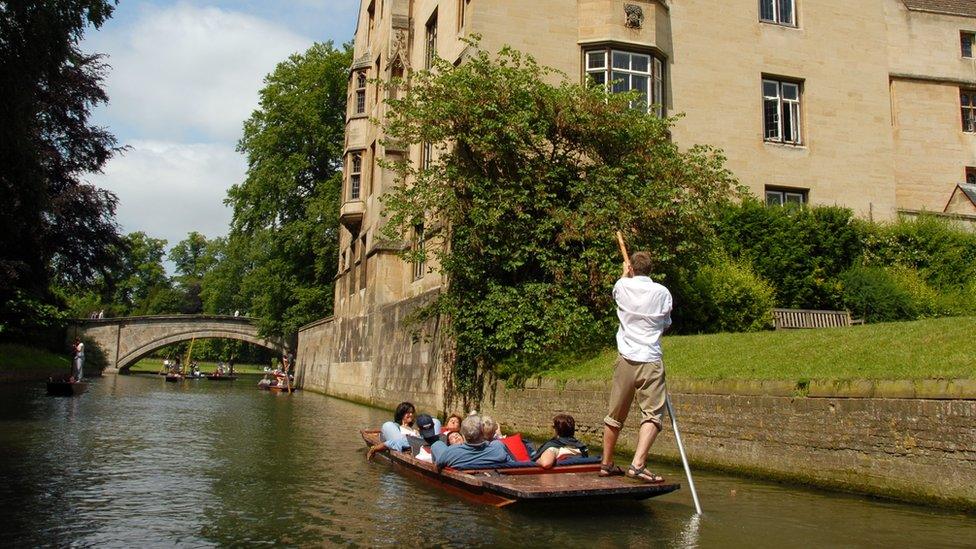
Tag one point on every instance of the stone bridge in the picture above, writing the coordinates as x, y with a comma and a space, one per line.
124, 341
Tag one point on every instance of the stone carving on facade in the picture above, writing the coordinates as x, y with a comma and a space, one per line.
399, 42
635, 15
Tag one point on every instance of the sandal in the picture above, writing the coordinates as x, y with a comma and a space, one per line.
643, 475
610, 470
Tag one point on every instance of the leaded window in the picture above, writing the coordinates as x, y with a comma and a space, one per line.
430, 51
966, 40
360, 92
355, 176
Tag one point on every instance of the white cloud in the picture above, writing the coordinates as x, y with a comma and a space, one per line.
185, 72
167, 189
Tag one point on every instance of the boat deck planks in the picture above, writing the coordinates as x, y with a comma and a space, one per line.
502, 487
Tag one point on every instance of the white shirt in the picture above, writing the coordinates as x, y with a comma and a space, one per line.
644, 310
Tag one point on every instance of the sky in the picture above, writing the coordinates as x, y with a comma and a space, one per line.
184, 76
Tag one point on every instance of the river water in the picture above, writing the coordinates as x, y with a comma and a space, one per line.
140, 462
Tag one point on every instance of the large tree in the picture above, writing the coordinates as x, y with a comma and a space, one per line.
53, 225
279, 260
536, 180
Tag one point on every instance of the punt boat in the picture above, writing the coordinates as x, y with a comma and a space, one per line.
173, 378
221, 377
524, 484
61, 387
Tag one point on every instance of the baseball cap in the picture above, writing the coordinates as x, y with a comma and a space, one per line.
425, 424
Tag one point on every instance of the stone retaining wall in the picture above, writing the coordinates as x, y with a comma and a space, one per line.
854, 437
375, 359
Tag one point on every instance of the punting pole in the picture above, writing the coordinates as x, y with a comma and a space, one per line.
667, 401
681, 450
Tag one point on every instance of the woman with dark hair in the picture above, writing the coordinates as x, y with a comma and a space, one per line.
393, 434
562, 446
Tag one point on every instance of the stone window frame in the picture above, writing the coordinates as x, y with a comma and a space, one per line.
967, 107
771, 11
789, 106
430, 41
360, 81
356, 174
967, 44
601, 74
419, 245
780, 196
426, 155
971, 175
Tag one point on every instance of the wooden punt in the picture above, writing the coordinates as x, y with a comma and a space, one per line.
173, 378
504, 487
66, 388
221, 377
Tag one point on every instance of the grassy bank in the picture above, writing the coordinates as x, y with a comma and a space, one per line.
153, 365
943, 348
19, 362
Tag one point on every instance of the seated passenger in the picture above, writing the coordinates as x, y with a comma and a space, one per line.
454, 437
428, 432
393, 434
491, 429
475, 452
562, 446
453, 424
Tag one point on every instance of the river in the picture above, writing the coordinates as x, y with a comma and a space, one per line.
139, 462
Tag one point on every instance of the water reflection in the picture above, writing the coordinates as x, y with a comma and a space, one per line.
138, 462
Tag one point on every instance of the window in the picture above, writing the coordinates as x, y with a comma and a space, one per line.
430, 51
967, 98
781, 111
363, 261
376, 98
371, 11
426, 155
462, 8
625, 71
419, 264
782, 12
396, 75
971, 175
966, 39
360, 92
781, 196
355, 176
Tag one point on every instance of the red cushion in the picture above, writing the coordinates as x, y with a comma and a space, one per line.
516, 447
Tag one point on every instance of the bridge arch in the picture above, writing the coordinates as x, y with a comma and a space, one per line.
135, 355
124, 341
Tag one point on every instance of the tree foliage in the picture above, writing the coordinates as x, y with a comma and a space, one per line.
53, 225
279, 260
524, 203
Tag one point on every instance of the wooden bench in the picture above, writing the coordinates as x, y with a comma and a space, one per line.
785, 319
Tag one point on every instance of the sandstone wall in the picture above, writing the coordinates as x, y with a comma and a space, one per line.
903, 440
377, 359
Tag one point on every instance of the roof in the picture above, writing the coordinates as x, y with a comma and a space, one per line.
970, 190
964, 8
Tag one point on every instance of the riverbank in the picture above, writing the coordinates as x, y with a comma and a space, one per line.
941, 348
20, 363
155, 365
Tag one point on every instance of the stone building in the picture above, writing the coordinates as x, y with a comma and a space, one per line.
868, 104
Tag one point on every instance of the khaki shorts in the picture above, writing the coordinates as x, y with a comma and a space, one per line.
646, 379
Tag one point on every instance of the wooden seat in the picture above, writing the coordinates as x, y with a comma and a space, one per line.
788, 319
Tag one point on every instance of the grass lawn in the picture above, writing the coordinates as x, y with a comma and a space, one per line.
154, 365
943, 348
19, 358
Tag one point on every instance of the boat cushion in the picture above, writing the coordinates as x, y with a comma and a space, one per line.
516, 447
526, 464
